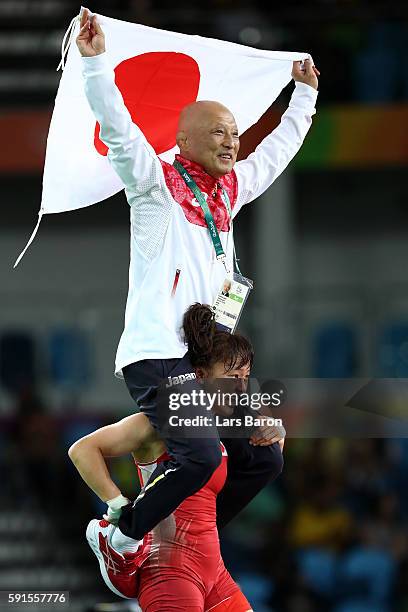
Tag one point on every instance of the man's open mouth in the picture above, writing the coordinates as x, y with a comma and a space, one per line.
226, 156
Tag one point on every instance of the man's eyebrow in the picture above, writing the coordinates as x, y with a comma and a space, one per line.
222, 125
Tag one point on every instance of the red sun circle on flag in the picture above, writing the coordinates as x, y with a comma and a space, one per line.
155, 87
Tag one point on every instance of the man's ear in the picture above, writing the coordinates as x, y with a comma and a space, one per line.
181, 140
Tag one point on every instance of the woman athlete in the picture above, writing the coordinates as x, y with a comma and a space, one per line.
177, 566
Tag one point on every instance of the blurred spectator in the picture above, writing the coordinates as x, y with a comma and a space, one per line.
331, 532
37, 454
320, 521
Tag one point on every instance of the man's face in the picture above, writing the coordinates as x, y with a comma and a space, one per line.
211, 140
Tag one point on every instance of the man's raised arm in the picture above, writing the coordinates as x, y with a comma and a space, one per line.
256, 173
131, 156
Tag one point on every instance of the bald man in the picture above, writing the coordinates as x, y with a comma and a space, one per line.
199, 140
173, 262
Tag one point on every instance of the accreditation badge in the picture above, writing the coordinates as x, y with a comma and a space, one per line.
230, 301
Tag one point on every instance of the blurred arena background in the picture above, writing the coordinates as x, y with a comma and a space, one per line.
327, 247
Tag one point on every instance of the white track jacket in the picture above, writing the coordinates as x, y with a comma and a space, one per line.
172, 258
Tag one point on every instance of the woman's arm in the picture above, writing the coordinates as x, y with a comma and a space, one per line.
88, 454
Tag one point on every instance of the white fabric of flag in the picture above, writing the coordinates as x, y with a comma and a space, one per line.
244, 79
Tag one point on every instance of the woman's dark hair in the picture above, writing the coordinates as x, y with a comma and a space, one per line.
208, 345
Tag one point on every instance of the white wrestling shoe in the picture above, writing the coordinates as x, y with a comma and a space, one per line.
118, 555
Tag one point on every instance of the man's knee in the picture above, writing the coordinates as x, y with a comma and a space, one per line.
273, 460
205, 460
262, 460
266, 460
213, 458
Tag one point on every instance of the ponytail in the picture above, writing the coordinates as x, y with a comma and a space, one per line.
208, 345
199, 331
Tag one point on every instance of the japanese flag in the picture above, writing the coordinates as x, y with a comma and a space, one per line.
157, 72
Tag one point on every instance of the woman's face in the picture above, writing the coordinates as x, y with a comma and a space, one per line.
240, 384
218, 371
240, 374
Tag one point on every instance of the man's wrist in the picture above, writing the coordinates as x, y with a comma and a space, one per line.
95, 64
93, 57
302, 83
304, 97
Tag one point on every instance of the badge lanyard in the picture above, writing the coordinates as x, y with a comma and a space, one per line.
234, 292
209, 219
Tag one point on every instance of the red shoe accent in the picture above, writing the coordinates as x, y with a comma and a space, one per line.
122, 571
103, 523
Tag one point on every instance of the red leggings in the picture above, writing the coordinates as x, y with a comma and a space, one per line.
167, 590
236, 603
